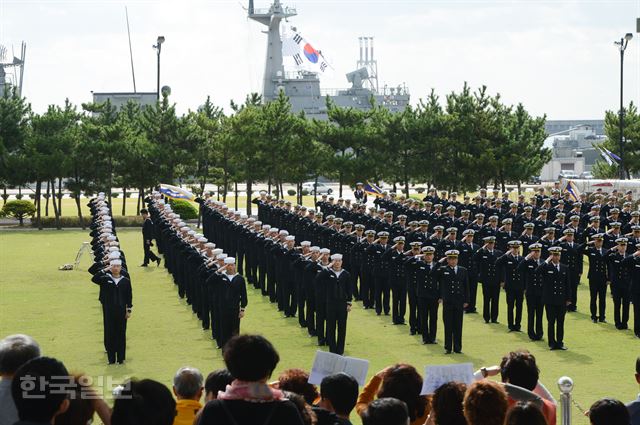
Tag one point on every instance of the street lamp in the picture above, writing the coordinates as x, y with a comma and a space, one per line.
158, 47
622, 46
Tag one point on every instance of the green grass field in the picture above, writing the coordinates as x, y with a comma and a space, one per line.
60, 309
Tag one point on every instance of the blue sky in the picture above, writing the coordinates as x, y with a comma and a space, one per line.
556, 57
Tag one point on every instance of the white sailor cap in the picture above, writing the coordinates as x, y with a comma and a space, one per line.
191, 233
209, 245
243, 216
221, 256
101, 194
202, 240
257, 223
305, 243
115, 263
113, 249
315, 249
217, 251
114, 255
325, 251
290, 238
111, 238
113, 243
283, 232
184, 228
274, 230
229, 260
336, 257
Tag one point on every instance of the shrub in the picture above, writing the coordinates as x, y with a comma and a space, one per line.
196, 190
32, 196
305, 192
275, 193
19, 196
185, 209
115, 194
420, 189
129, 194
67, 222
291, 192
19, 209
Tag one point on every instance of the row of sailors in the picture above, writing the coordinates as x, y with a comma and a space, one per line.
109, 271
603, 269
204, 274
517, 211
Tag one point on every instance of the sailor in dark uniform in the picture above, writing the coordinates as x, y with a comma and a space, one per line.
454, 294
533, 290
632, 263
620, 283
233, 300
115, 289
513, 284
147, 239
485, 259
598, 277
360, 194
419, 269
556, 295
338, 303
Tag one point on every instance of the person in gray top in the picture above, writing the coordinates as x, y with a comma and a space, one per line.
15, 350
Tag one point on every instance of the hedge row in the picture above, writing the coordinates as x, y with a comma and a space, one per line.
50, 222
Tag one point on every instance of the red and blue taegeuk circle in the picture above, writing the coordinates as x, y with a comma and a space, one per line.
311, 53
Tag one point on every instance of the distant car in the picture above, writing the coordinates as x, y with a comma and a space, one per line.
586, 175
567, 175
320, 189
535, 180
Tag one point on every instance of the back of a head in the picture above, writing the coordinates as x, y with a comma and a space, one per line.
485, 403
250, 357
144, 402
341, 390
81, 408
520, 368
402, 381
34, 389
609, 411
386, 411
525, 414
305, 410
217, 381
16, 350
297, 381
188, 383
446, 404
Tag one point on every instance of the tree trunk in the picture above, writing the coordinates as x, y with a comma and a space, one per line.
519, 188
47, 196
139, 200
235, 192
54, 203
315, 192
124, 200
4, 195
269, 186
141, 203
39, 204
225, 185
59, 196
340, 183
249, 190
77, 198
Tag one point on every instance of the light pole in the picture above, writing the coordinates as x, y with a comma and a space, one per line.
158, 47
622, 46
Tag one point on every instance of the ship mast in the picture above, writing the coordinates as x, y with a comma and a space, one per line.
274, 67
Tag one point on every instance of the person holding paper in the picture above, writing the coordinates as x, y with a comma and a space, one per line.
453, 281
337, 283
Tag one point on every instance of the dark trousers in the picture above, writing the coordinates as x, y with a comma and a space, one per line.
399, 303
636, 313
241, 265
148, 254
271, 285
205, 314
262, 279
104, 326
491, 297
514, 308
354, 274
301, 297
116, 330
555, 324
321, 316
452, 317
535, 310
414, 324
290, 303
598, 302
574, 281
473, 293
280, 285
428, 314
621, 300
311, 311
229, 325
367, 288
337, 327
382, 294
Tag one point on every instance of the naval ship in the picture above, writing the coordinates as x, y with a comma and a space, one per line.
302, 86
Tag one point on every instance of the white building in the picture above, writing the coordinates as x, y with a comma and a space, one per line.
574, 152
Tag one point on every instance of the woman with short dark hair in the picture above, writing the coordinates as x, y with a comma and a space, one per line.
485, 403
525, 414
249, 400
446, 405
